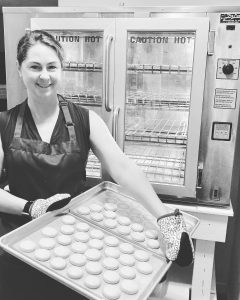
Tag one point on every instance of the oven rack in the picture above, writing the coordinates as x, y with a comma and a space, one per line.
158, 131
159, 69
160, 169
84, 98
82, 66
93, 168
157, 169
153, 100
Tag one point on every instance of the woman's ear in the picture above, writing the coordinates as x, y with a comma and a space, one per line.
19, 68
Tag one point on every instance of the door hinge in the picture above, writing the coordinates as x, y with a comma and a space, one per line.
211, 42
199, 176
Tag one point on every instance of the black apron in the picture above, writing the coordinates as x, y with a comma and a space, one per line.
37, 169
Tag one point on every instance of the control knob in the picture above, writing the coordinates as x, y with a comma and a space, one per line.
228, 69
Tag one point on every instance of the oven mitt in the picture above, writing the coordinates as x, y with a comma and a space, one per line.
41, 206
179, 246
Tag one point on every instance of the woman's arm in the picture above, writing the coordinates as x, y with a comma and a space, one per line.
122, 169
9, 203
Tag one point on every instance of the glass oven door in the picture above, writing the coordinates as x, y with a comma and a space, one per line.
160, 76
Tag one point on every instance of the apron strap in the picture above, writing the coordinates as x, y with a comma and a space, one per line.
18, 128
68, 119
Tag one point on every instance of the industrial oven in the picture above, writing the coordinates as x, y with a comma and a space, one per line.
164, 79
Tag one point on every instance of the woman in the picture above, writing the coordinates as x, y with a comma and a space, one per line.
44, 148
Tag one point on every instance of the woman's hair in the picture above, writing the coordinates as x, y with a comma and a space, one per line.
31, 38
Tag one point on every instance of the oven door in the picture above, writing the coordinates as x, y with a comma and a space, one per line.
160, 72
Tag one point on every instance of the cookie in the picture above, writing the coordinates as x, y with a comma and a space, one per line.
93, 254
83, 210
95, 207
74, 272
92, 282
129, 287
138, 236
96, 234
154, 244
47, 243
110, 223
141, 255
110, 263
96, 216
110, 206
137, 227
112, 252
62, 251
144, 268
127, 272
95, 243
123, 230
67, 229
42, 254
126, 248
27, 246
78, 247
111, 241
127, 260
111, 292
64, 239
49, 231
122, 220
93, 268
69, 220
81, 237
151, 234
58, 263
81, 226
111, 277
109, 214
77, 259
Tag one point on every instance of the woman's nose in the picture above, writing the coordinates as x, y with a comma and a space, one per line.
44, 75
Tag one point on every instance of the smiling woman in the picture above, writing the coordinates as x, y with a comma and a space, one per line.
44, 149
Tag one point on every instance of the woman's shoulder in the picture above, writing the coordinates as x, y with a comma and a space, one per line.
8, 116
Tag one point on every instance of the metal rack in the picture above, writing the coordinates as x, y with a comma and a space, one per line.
86, 97
159, 69
159, 131
93, 168
159, 164
82, 66
153, 100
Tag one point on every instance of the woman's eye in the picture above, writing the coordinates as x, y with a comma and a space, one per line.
52, 67
34, 67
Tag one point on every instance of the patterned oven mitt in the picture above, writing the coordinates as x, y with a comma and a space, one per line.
41, 206
179, 246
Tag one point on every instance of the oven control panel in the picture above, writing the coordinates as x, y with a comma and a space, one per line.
227, 68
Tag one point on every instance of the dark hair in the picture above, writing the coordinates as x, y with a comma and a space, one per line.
31, 38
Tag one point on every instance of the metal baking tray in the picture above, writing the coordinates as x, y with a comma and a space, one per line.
108, 192
105, 192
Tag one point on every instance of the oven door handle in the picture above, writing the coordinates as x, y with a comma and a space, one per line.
115, 122
108, 43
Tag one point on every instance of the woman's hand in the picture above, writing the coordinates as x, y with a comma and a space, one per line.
41, 206
179, 247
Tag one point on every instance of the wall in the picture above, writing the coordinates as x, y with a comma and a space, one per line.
15, 3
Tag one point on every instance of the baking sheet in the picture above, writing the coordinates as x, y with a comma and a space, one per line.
105, 192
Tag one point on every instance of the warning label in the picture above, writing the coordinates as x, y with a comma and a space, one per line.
225, 98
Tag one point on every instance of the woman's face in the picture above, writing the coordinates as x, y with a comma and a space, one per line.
41, 71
